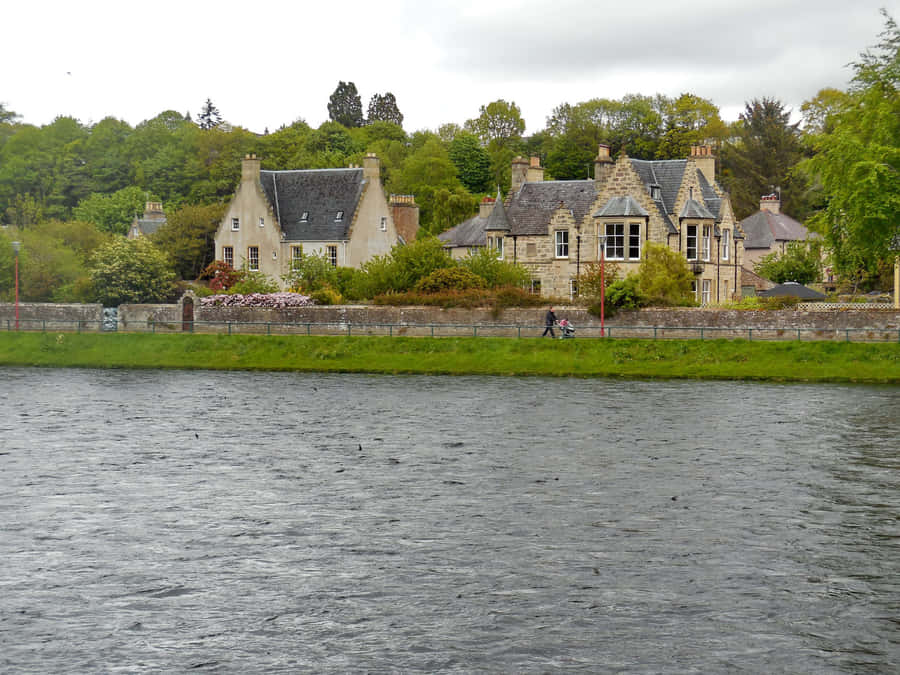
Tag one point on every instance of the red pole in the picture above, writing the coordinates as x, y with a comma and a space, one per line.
17, 291
602, 289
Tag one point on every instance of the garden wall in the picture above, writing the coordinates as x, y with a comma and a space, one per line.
49, 316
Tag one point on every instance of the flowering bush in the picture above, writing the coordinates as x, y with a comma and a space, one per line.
269, 300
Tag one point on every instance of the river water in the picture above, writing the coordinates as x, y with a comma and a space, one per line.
245, 522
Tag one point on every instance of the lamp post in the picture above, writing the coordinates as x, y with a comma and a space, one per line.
16, 245
895, 247
602, 239
577, 258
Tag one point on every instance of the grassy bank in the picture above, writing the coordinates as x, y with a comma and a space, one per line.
714, 359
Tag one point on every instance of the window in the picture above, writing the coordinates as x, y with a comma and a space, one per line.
304, 216
253, 258
498, 244
634, 241
691, 248
726, 244
725, 290
573, 288
530, 250
235, 224
655, 192
535, 286
694, 287
704, 296
262, 221
339, 216
707, 238
296, 256
384, 223
228, 256
562, 243
615, 241
331, 253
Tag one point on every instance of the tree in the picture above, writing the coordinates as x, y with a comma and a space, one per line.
49, 270
765, 149
188, 237
384, 109
801, 262
345, 105
131, 271
857, 162
499, 122
7, 116
472, 162
495, 272
209, 117
112, 213
690, 120
664, 276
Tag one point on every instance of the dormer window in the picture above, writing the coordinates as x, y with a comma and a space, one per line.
339, 216
655, 192
304, 217
384, 223
262, 221
235, 224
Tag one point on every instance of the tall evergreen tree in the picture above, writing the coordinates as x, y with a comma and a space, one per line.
345, 105
209, 116
384, 109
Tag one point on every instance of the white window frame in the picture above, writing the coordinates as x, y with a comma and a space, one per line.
262, 221
573, 288
498, 244
562, 243
614, 244
304, 217
705, 289
339, 216
331, 253
235, 224
253, 258
228, 256
384, 223
535, 287
707, 242
296, 256
694, 288
688, 246
726, 244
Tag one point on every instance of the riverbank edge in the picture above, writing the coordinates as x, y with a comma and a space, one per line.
630, 359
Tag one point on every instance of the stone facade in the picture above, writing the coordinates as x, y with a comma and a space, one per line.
340, 213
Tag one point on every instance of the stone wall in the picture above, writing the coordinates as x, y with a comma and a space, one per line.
144, 317
50, 316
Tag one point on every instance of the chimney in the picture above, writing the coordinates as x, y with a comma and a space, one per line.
371, 167
250, 169
770, 203
535, 171
153, 210
603, 165
486, 206
705, 160
519, 173
405, 212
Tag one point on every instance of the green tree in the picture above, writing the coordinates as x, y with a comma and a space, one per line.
7, 116
188, 237
472, 162
450, 208
131, 271
801, 262
402, 268
857, 163
48, 269
345, 105
311, 273
761, 156
665, 278
495, 272
499, 121
690, 120
384, 109
112, 213
209, 117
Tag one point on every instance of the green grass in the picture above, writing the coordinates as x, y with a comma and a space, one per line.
711, 359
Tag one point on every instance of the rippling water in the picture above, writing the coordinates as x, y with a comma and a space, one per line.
158, 521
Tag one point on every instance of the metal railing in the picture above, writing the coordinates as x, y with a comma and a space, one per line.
461, 330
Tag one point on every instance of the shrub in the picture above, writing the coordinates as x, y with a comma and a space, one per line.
495, 272
253, 282
664, 277
449, 279
621, 294
221, 275
326, 296
270, 300
310, 273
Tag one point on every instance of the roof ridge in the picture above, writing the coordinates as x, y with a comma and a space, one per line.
307, 170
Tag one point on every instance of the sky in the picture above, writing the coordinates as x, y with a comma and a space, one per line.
266, 65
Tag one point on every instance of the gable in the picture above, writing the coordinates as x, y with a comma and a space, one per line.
320, 194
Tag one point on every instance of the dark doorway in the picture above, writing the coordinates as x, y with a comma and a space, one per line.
187, 315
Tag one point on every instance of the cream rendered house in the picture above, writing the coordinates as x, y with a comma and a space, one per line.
276, 217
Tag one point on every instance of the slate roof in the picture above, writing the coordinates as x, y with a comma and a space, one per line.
150, 225
694, 209
791, 289
321, 194
468, 233
530, 209
497, 220
668, 175
764, 228
621, 206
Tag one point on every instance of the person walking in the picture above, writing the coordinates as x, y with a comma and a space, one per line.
549, 320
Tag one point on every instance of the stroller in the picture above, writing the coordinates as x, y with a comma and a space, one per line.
566, 329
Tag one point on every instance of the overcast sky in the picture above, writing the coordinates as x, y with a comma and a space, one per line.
265, 64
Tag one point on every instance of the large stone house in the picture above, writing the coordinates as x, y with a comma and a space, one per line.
276, 217
554, 228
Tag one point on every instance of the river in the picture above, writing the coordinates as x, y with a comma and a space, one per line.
157, 521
